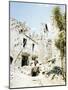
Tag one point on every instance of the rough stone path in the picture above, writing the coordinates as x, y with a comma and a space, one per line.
20, 78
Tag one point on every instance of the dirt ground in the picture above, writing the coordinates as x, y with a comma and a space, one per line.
21, 77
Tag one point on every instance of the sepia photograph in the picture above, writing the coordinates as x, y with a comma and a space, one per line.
37, 44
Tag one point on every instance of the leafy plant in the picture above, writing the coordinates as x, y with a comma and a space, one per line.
55, 71
60, 22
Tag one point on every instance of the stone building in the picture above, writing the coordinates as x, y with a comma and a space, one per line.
22, 45
44, 44
25, 44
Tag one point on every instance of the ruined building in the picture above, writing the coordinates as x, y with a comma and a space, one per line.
26, 45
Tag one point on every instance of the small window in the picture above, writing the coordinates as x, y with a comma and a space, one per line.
24, 42
46, 27
33, 46
11, 59
20, 31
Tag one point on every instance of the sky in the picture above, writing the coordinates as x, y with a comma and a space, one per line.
32, 13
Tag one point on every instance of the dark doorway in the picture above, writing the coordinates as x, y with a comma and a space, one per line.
24, 60
35, 71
